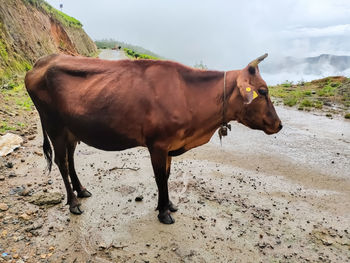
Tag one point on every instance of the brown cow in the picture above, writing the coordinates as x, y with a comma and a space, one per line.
162, 105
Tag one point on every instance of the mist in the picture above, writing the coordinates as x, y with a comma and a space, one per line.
224, 35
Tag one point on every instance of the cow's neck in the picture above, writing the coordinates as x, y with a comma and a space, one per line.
210, 117
233, 101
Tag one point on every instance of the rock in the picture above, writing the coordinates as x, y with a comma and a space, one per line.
327, 241
102, 246
12, 175
4, 207
8, 143
139, 198
2, 178
24, 192
33, 227
4, 233
50, 181
25, 217
9, 165
16, 190
46, 198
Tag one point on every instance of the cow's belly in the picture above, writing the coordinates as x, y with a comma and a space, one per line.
103, 136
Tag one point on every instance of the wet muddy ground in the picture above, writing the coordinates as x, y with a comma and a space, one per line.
255, 198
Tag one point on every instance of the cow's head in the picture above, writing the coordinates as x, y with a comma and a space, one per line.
258, 111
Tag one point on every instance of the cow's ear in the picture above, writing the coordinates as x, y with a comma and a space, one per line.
248, 94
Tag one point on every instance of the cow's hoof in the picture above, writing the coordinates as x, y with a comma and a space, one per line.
166, 218
84, 193
172, 207
76, 210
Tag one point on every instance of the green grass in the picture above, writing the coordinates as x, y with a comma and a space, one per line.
347, 116
17, 96
314, 94
60, 16
132, 54
5, 127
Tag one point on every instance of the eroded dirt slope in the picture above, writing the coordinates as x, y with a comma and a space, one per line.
32, 29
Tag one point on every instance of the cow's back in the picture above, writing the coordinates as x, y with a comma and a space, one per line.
134, 101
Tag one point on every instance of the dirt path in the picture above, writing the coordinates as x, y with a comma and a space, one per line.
256, 198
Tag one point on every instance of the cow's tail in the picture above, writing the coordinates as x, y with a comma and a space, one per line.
47, 149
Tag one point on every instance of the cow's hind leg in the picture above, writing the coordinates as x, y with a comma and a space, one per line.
81, 191
172, 207
159, 163
61, 159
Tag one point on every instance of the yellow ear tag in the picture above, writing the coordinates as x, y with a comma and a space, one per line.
255, 95
248, 89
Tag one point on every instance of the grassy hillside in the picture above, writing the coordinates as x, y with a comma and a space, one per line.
30, 29
331, 94
54, 13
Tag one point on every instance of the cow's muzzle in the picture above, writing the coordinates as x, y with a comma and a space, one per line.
275, 129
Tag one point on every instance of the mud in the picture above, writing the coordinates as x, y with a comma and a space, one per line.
255, 198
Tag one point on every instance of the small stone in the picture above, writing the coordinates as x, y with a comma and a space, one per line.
2, 178
9, 165
24, 216
50, 181
51, 248
139, 198
16, 190
102, 246
4, 207
42, 256
4, 233
12, 175
15, 256
25, 192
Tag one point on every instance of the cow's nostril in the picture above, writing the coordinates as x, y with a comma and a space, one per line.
280, 126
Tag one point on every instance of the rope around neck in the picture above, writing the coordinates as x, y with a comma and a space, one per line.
224, 125
224, 102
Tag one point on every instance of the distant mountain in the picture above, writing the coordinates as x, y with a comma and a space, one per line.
322, 65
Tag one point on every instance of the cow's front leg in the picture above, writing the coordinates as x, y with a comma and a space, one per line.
159, 160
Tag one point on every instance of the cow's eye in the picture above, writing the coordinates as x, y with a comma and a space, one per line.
263, 91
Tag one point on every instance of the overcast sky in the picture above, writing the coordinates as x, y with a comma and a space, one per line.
223, 34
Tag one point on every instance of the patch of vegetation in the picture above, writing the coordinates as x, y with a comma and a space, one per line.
16, 94
314, 94
5, 127
200, 65
53, 12
347, 116
3, 51
132, 54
